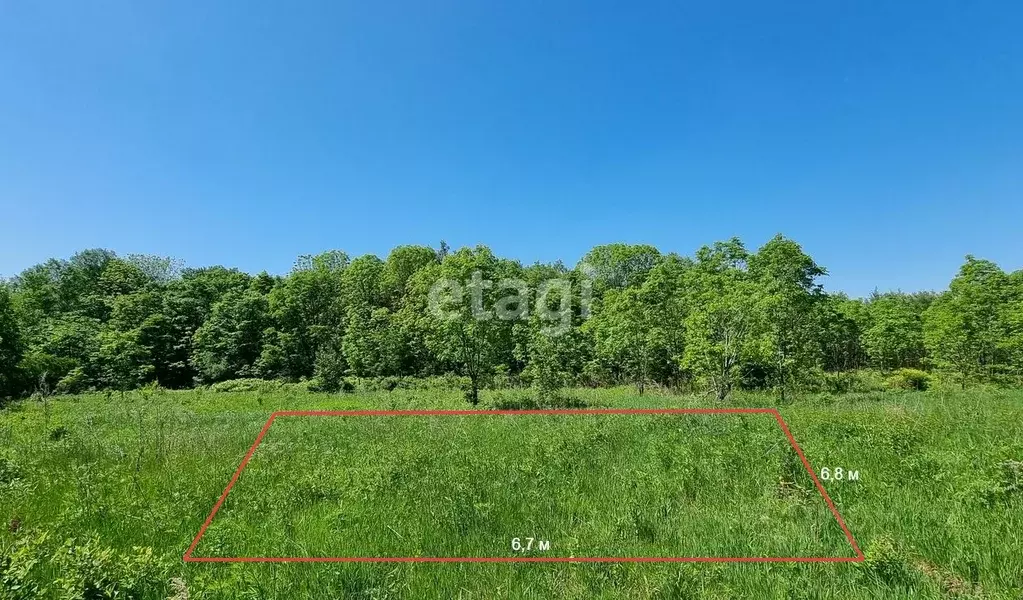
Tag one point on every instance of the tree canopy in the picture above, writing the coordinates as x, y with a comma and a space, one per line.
724, 318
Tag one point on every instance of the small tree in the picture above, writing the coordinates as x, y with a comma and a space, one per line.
787, 278
545, 366
621, 329
126, 363
965, 328
464, 330
894, 337
725, 328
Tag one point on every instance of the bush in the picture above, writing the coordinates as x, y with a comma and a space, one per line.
90, 570
329, 370
595, 375
522, 400
887, 563
909, 379
9, 471
75, 382
18, 568
1009, 484
331, 385
42, 372
245, 385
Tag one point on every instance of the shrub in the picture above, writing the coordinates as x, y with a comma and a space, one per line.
1008, 486
448, 381
887, 563
245, 385
595, 375
90, 570
523, 400
42, 372
331, 385
329, 369
75, 382
59, 433
18, 564
816, 380
909, 379
9, 471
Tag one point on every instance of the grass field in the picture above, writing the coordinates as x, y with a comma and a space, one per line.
466, 486
109, 492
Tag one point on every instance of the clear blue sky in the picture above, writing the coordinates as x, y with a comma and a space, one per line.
885, 136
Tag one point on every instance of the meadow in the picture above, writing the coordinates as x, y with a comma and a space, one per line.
101, 494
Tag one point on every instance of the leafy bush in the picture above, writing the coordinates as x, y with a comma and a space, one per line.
75, 382
9, 470
90, 570
18, 563
1008, 486
523, 400
329, 370
245, 385
390, 383
839, 382
887, 563
595, 374
448, 381
331, 385
58, 433
909, 379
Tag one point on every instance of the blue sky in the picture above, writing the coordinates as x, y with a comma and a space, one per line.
886, 137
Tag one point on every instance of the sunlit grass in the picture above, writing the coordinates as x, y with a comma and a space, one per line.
938, 507
592, 485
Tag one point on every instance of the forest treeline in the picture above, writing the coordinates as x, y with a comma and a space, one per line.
724, 318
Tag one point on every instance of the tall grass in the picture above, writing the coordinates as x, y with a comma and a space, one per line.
102, 494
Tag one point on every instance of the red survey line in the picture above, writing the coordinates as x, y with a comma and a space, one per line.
820, 486
562, 559
556, 411
595, 411
227, 490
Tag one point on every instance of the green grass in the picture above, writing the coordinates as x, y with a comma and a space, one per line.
595, 486
88, 483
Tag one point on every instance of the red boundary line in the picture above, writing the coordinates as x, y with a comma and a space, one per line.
596, 411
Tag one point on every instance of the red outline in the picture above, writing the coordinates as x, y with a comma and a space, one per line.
599, 411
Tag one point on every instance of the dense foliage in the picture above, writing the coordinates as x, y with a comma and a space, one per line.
722, 319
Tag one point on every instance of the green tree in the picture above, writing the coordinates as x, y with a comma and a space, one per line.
402, 264
622, 330
894, 337
666, 302
187, 303
786, 277
464, 329
230, 342
307, 313
725, 329
965, 329
12, 345
550, 346
1012, 316
126, 363
840, 322
549, 362
618, 266
371, 344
